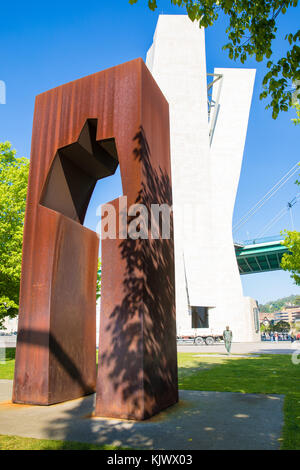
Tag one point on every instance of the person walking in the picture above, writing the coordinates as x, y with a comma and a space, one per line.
292, 336
227, 336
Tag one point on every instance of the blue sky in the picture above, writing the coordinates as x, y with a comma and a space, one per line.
45, 44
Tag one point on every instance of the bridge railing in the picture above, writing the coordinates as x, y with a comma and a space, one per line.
257, 241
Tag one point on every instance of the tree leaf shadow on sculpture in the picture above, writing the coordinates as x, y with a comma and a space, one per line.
142, 359
41, 339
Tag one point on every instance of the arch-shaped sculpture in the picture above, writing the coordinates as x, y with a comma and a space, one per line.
81, 131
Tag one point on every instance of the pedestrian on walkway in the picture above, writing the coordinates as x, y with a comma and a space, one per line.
293, 334
227, 336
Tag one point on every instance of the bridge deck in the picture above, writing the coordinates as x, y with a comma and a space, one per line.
258, 256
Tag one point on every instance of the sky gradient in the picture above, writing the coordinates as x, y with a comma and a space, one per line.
44, 45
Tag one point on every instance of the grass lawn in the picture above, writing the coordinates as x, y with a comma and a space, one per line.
269, 374
7, 369
24, 443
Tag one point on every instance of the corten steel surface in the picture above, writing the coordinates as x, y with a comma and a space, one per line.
81, 130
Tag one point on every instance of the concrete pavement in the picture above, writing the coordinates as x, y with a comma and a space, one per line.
201, 420
262, 347
5, 390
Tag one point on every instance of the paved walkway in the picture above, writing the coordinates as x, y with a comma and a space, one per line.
262, 347
201, 420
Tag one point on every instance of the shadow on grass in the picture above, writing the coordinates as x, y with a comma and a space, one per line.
24, 443
263, 374
10, 354
200, 419
266, 374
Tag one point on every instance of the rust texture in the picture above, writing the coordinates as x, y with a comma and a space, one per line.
81, 131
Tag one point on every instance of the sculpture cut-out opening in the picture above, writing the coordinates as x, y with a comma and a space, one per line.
75, 171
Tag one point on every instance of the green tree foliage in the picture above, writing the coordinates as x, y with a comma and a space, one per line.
251, 30
295, 326
98, 294
263, 328
297, 119
13, 189
291, 260
281, 326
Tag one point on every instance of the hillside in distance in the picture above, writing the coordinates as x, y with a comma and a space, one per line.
277, 305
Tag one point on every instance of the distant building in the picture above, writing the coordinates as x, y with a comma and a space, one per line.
263, 316
10, 325
290, 313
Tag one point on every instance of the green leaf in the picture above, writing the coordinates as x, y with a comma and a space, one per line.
251, 28
13, 189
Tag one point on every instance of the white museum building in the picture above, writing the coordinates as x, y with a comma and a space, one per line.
207, 145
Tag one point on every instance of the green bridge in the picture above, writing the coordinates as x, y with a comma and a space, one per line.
260, 255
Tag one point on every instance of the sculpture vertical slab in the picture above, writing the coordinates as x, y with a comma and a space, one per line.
81, 132
137, 374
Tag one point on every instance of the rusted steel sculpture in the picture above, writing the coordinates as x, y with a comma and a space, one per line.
81, 132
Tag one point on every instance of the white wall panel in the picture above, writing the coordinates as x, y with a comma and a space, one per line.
204, 177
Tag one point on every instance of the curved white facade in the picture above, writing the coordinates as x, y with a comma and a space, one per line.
205, 175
